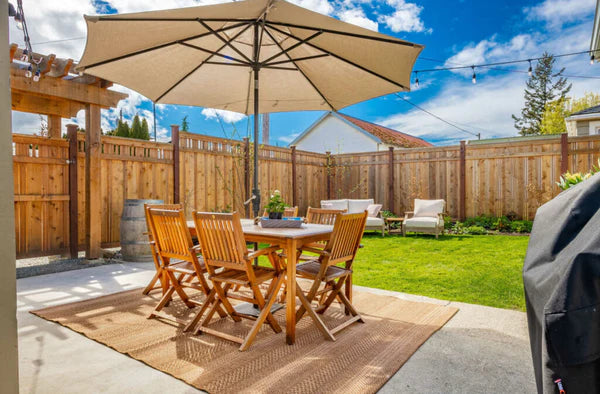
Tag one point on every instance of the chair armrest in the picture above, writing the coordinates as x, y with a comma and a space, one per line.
262, 252
196, 249
408, 214
314, 250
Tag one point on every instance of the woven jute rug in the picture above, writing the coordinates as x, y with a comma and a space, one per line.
361, 360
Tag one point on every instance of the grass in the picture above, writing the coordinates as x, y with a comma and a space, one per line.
477, 269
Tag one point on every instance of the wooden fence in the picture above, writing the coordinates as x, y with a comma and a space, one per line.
215, 174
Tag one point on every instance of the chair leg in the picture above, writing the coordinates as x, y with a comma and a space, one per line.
163, 301
334, 293
316, 319
261, 305
310, 296
209, 300
264, 314
175, 284
150, 287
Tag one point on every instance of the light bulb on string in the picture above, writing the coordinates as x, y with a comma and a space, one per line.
25, 55
417, 79
592, 58
474, 78
530, 71
29, 71
36, 76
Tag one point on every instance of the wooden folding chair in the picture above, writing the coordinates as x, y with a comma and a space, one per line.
223, 247
179, 256
160, 275
341, 248
322, 215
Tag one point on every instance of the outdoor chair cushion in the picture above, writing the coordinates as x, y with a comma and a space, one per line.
358, 206
372, 222
334, 204
425, 208
421, 222
374, 210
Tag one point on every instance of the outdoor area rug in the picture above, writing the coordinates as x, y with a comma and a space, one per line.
361, 360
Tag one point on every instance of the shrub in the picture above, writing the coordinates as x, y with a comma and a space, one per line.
475, 230
567, 179
501, 224
521, 226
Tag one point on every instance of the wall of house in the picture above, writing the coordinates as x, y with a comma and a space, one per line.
583, 127
336, 136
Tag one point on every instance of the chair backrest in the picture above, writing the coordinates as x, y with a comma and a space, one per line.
289, 212
222, 240
322, 216
345, 238
430, 208
170, 207
172, 236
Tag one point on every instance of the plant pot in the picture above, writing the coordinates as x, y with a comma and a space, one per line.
275, 215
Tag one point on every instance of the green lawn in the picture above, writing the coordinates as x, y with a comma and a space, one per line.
478, 269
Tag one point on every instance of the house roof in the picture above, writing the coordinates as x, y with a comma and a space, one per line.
387, 135
378, 133
588, 111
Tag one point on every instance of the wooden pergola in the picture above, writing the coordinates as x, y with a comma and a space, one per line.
59, 94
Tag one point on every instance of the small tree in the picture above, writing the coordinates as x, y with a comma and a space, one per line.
553, 121
136, 128
122, 129
145, 133
185, 126
543, 87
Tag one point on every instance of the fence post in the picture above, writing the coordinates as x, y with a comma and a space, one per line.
73, 200
93, 202
462, 187
391, 180
564, 153
328, 154
175, 142
294, 180
247, 174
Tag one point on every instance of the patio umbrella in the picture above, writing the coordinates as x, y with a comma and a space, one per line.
254, 56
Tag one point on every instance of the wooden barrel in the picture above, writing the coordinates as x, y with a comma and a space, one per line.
134, 241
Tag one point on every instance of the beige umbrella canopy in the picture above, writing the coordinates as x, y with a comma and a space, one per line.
214, 56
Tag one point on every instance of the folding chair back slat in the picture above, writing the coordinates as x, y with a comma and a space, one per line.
322, 216
222, 240
345, 239
173, 239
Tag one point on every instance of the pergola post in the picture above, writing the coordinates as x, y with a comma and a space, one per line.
73, 195
54, 126
93, 206
176, 167
9, 373
294, 178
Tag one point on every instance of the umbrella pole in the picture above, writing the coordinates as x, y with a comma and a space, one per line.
256, 190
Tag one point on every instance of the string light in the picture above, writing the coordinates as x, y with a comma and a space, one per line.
474, 79
417, 79
592, 59
25, 55
29, 71
530, 71
36, 76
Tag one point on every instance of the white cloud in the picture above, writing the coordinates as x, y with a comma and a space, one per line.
357, 16
226, 116
286, 139
405, 18
558, 12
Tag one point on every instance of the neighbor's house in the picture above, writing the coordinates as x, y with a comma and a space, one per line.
586, 122
338, 133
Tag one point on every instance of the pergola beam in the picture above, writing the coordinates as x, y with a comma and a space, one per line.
25, 102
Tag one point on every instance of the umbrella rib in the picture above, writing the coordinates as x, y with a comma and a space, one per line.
343, 59
114, 59
344, 33
113, 19
201, 64
296, 45
226, 42
296, 59
301, 72
242, 62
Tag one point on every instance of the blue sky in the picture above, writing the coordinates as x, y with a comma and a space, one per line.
453, 32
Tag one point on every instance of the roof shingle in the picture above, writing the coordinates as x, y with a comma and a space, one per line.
587, 111
387, 135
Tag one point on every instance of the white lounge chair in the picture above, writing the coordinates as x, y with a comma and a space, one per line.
374, 221
428, 217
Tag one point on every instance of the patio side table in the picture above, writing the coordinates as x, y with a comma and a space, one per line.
388, 225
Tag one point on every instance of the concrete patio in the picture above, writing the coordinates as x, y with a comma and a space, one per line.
481, 349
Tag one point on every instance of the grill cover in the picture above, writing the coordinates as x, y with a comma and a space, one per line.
561, 275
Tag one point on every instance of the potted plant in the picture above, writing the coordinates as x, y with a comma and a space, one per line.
276, 205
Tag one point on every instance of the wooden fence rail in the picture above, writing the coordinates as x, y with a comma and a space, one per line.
215, 174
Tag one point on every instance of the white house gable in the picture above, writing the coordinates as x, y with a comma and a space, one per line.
336, 135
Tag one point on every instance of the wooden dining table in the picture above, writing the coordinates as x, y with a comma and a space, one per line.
289, 239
